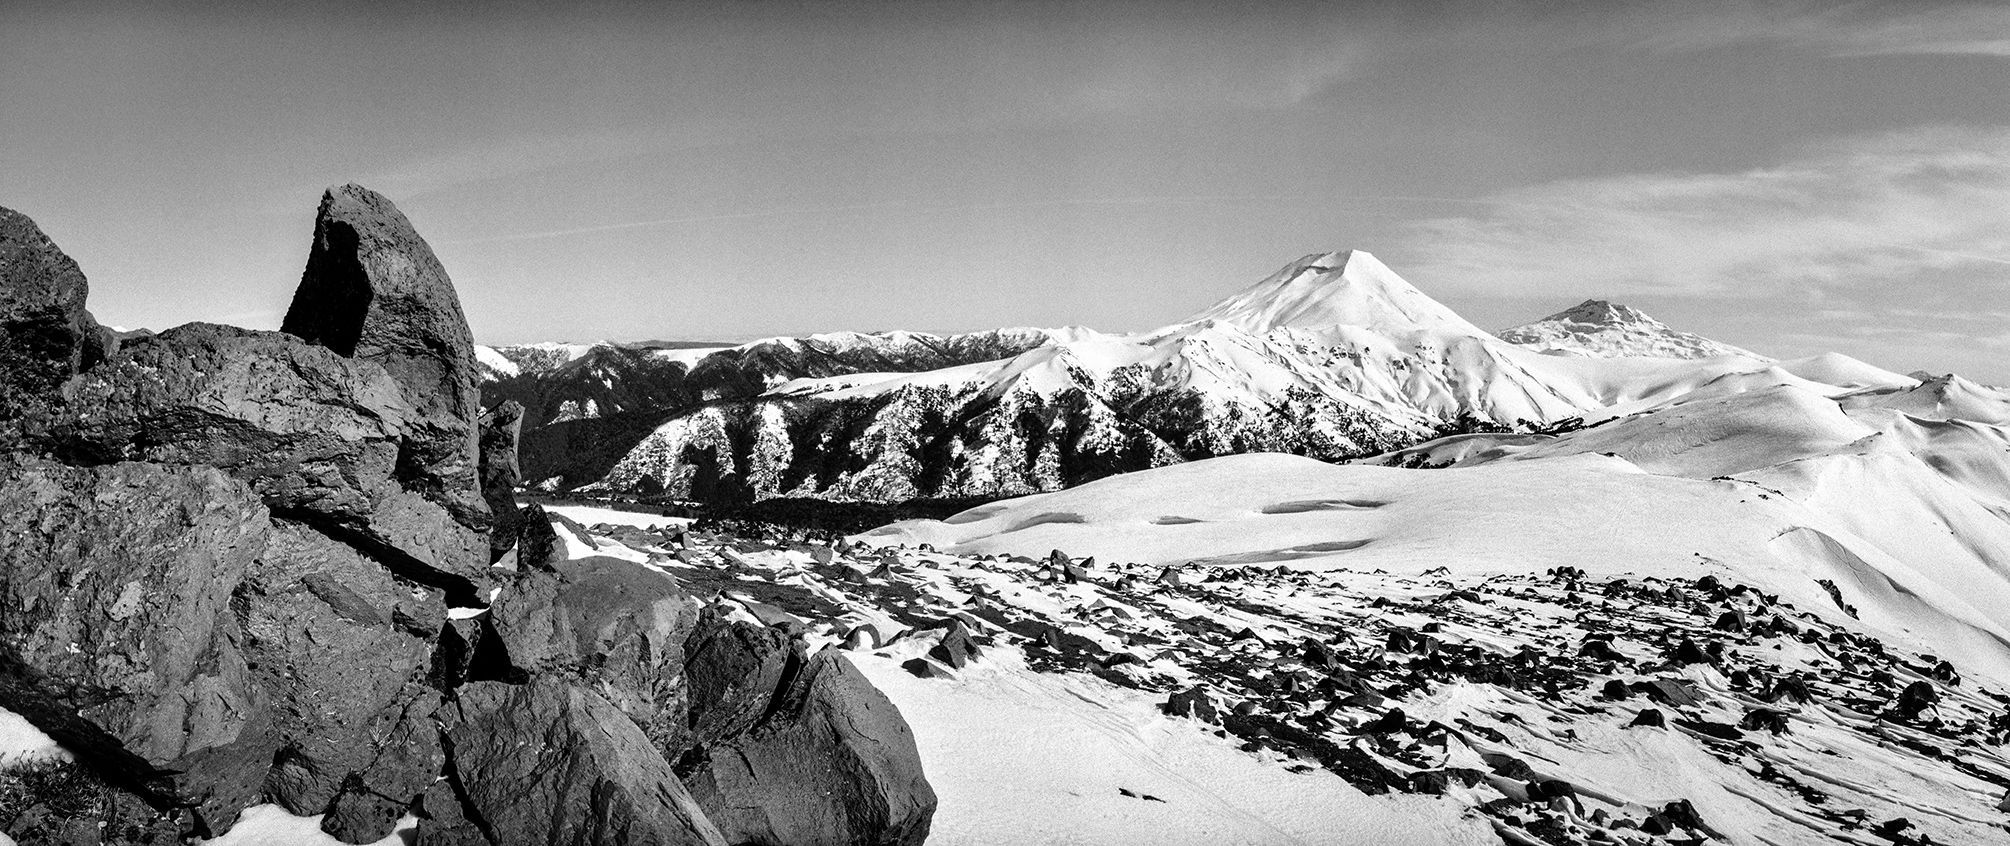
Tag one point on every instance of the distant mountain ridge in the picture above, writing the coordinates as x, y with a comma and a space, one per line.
1601, 329
1334, 356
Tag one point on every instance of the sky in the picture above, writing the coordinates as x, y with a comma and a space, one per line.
1792, 178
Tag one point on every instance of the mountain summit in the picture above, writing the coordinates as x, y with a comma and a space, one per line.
1347, 288
1601, 329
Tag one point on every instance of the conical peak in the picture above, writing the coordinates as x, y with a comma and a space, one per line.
1343, 288
1603, 312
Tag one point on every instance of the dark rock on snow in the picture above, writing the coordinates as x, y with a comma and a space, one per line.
228, 561
834, 763
587, 776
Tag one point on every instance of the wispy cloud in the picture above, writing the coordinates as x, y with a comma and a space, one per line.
1922, 206
1847, 29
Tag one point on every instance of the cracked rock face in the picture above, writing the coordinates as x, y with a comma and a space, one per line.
228, 565
373, 291
45, 334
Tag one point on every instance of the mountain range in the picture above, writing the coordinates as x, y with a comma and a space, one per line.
1333, 357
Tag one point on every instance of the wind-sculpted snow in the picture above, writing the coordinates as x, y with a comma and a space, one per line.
1659, 700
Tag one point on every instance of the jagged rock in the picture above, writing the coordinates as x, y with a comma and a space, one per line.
1600, 650
955, 649
341, 647
1194, 703
115, 634
1670, 691
733, 671
500, 428
1916, 698
551, 764
1650, 718
1764, 719
833, 763
318, 436
1390, 722
1687, 652
538, 546
46, 336
374, 291
621, 625
236, 591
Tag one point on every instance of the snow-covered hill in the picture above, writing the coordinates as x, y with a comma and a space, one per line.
1335, 356
1809, 588
1761, 616
1599, 329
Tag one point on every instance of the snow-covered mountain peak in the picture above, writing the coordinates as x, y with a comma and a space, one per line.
1603, 329
1347, 288
1606, 313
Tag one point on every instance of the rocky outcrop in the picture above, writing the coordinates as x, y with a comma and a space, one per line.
590, 778
116, 636
243, 567
320, 437
500, 476
46, 336
832, 763
746, 719
374, 291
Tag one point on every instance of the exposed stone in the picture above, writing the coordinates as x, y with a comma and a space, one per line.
1193, 702
833, 764
46, 336
955, 649
114, 633
734, 671
553, 764
347, 684
226, 581
320, 437
373, 290
623, 626
499, 431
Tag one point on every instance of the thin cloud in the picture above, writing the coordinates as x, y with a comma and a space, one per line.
1927, 205
1852, 29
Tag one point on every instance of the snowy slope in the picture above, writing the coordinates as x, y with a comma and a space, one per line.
1444, 682
1600, 329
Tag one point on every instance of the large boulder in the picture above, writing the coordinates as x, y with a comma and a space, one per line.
46, 336
116, 636
342, 648
833, 763
622, 626
320, 437
735, 670
554, 764
373, 290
